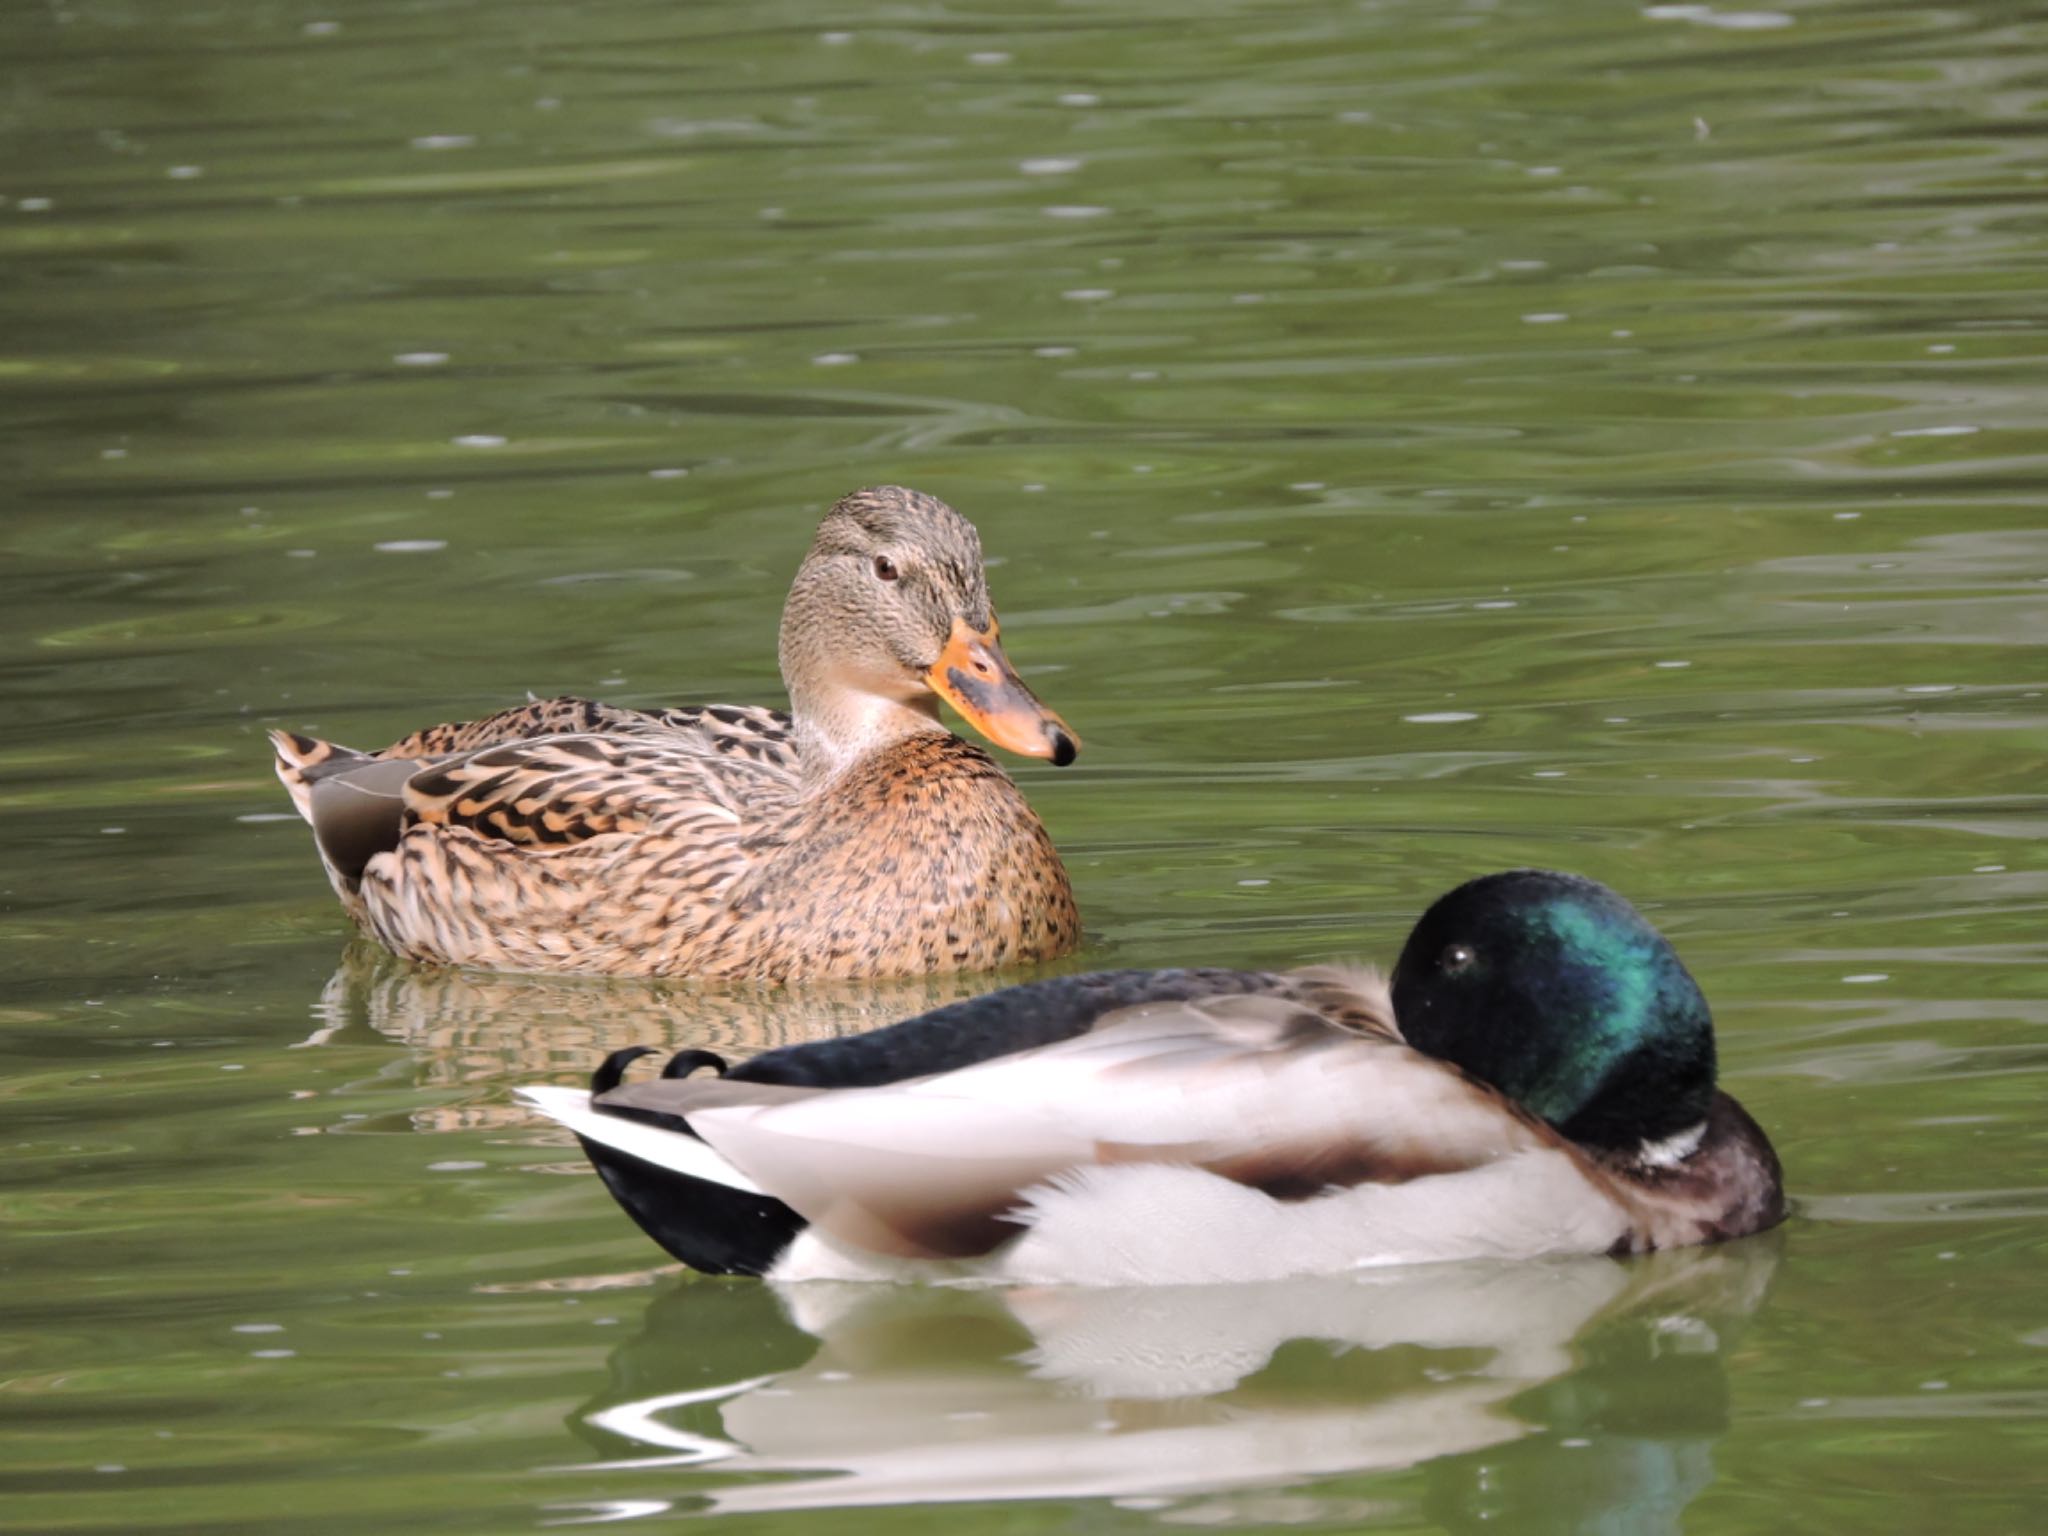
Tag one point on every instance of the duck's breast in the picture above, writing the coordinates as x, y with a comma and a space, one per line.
923, 858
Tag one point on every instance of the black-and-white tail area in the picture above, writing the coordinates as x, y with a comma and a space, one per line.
683, 1194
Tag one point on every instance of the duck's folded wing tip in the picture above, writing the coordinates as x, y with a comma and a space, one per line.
552, 1100
663, 1148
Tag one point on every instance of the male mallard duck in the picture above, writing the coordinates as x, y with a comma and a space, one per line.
1537, 1078
853, 836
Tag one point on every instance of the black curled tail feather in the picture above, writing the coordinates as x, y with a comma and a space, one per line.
683, 1063
709, 1226
612, 1070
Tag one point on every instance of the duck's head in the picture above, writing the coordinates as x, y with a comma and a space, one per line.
890, 613
1560, 994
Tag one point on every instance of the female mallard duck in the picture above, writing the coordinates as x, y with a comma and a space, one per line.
853, 836
1537, 1078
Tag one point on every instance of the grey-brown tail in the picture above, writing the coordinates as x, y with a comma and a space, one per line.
297, 758
354, 803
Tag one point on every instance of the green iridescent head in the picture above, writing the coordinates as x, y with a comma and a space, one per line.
1560, 994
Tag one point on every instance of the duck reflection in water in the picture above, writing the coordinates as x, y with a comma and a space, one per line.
471, 1032
1570, 1394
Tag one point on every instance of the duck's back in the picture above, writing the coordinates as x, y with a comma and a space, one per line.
575, 836
716, 732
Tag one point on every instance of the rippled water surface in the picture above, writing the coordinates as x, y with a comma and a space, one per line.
1415, 438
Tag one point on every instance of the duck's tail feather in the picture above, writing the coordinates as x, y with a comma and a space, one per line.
298, 759
355, 803
665, 1150
686, 1197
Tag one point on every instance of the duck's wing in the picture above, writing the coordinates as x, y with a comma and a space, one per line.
995, 1024
718, 731
697, 772
1261, 1090
560, 790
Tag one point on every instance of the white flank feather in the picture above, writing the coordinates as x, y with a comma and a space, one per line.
1153, 1223
1148, 1224
650, 1143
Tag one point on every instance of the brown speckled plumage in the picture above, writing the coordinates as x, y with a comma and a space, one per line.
859, 838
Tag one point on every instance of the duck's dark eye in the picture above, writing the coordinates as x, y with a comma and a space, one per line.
886, 568
1455, 959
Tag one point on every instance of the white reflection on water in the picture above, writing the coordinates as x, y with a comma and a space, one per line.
919, 1396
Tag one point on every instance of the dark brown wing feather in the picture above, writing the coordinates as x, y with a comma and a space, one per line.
566, 789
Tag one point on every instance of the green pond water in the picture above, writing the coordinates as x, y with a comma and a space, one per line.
1412, 438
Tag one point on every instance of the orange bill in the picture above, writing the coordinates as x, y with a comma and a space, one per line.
976, 678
